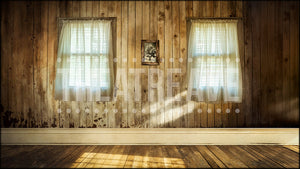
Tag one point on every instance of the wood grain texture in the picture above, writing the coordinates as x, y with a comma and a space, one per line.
268, 36
161, 37
145, 113
182, 63
121, 106
168, 64
131, 47
147, 156
138, 58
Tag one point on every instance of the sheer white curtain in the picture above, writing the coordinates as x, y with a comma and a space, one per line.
214, 68
84, 61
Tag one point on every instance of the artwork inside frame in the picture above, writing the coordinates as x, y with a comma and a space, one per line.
150, 52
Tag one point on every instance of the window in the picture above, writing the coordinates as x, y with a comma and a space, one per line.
84, 60
89, 45
214, 61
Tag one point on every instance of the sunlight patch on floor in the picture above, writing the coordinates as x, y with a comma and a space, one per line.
108, 160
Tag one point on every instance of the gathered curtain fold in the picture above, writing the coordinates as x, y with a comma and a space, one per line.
84, 67
214, 68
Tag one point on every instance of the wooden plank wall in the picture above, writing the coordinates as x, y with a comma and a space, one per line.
269, 51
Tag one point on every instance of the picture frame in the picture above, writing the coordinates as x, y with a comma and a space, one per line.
150, 52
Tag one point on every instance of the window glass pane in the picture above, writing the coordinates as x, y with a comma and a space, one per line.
209, 41
89, 56
210, 72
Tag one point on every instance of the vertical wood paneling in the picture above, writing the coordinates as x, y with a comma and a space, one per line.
286, 59
52, 52
190, 104
278, 106
196, 8
4, 60
168, 64
209, 8
197, 12
161, 37
65, 106
219, 113
153, 77
239, 118
37, 84
294, 62
21, 69
102, 8
137, 80
264, 64
270, 63
43, 65
6, 69
16, 66
121, 106
268, 35
252, 50
27, 74
183, 62
82, 9
92, 8
176, 105
131, 65
145, 119
76, 8
111, 106
124, 56
217, 8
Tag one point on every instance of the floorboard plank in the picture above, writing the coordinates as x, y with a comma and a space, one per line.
248, 159
166, 157
192, 158
67, 152
149, 156
13, 150
115, 158
228, 160
42, 157
282, 150
261, 157
157, 157
21, 159
287, 163
101, 154
71, 158
292, 147
212, 160
87, 157
135, 157
81, 157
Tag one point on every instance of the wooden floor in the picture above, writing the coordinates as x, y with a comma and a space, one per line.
150, 156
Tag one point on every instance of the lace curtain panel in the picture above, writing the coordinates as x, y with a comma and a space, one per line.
214, 69
84, 70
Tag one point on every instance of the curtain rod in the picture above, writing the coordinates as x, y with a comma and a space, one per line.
88, 18
225, 18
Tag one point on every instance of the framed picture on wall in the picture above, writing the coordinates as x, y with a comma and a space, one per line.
150, 52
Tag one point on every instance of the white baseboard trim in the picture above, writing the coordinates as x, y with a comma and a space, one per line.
149, 136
